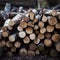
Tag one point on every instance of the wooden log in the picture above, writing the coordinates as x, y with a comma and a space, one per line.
5, 34
32, 46
41, 36
50, 28
31, 14
29, 30
13, 49
41, 24
4, 28
23, 24
12, 38
36, 32
48, 35
26, 40
18, 16
37, 52
11, 23
52, 20
56, 37
57, 26
23, 52
59, 16
48, 42
31, 53
10, 27
44, 18
17, 44
36, 27
42, 30
6, 22
35, 21
58, 47
22, 34
3, 43
40, 47
19, 28
9, 44
51, 12
34, 11
54, 13
26, 18
37, 41
9, 54
53, 53
30, 23
32, 36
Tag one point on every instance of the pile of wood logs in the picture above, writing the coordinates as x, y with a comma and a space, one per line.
31, 33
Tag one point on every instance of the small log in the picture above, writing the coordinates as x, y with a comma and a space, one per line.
6, 22
52, 20
22, 34
19, 28
10, 27
29, 30
36, 27
41, 24
13, 49
57, 26
59, 16
37, 41
4, 28
9, 44
36, 32
17, 44
35, 21
54, 13
40, 47
53, 53
26, 18
44, 18
31, 53
34, 11
12, 38
30, 23
42, 30
41, 36
37, 52
48, 35
11, 23
23, 52
56, 37
9, 53
32, 46
18, 16
3, 43
48, 42
26, 40
32, 36
31, 14
50, 28
5, 34
58, 47
23, 24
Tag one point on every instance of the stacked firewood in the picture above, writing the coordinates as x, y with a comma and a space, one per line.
31, 33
